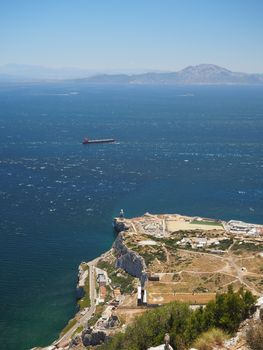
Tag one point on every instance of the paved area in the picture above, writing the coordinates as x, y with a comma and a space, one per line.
82, 321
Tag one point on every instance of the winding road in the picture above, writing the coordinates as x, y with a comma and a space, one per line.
83, 319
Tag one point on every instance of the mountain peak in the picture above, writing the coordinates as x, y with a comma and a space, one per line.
205, 67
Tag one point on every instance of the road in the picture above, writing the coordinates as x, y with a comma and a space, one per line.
82, 321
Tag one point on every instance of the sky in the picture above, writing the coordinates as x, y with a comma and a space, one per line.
105, 35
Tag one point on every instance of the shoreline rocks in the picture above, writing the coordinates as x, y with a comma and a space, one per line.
82, 276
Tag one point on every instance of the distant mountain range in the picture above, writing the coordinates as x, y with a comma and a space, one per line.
200, 74
24, 72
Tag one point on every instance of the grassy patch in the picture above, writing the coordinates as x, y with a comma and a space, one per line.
96, 316
212, 223
224, 244
119, 278
210, 339
177, 236
108, 295
160, 255
103, 265
84, 266
247, 246
149, 255
170, 242
78, 330
70, 324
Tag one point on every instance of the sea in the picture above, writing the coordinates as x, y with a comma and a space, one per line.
194, 150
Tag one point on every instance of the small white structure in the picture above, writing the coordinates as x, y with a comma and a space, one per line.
253, 232
160, 347
144, 300
201, 243
184, 241
101, 278
139, 295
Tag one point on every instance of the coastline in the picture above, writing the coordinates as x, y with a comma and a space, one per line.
100, 316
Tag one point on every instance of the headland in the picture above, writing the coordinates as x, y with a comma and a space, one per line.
158, 259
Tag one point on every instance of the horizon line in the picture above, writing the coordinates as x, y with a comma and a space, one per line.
126, 69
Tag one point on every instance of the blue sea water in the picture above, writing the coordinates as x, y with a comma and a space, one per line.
189, 150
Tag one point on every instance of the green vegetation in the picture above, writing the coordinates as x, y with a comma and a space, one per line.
169, 242
200, 289
70, 324
97, 315
85, 301
108, 295
119, 278
208, 340
224, 244
212, 223
183, 324
103, 265
149, 253
78, 330
150, 256
84, 266
239, 246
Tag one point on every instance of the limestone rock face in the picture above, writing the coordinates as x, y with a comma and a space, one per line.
90, 338
79, 293
120, 225
162, 347
129, 260
82, 275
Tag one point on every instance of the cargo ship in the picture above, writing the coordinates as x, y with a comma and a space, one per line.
86, 141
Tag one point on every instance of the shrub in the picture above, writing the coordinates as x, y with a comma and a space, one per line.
209, 339
185, 325
255, 336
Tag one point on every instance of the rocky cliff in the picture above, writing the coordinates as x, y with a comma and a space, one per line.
128, 260
82, 275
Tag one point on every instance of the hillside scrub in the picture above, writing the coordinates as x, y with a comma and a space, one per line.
209, 339
255, 336
183, 324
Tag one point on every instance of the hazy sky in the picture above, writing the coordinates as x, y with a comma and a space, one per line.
132, 34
